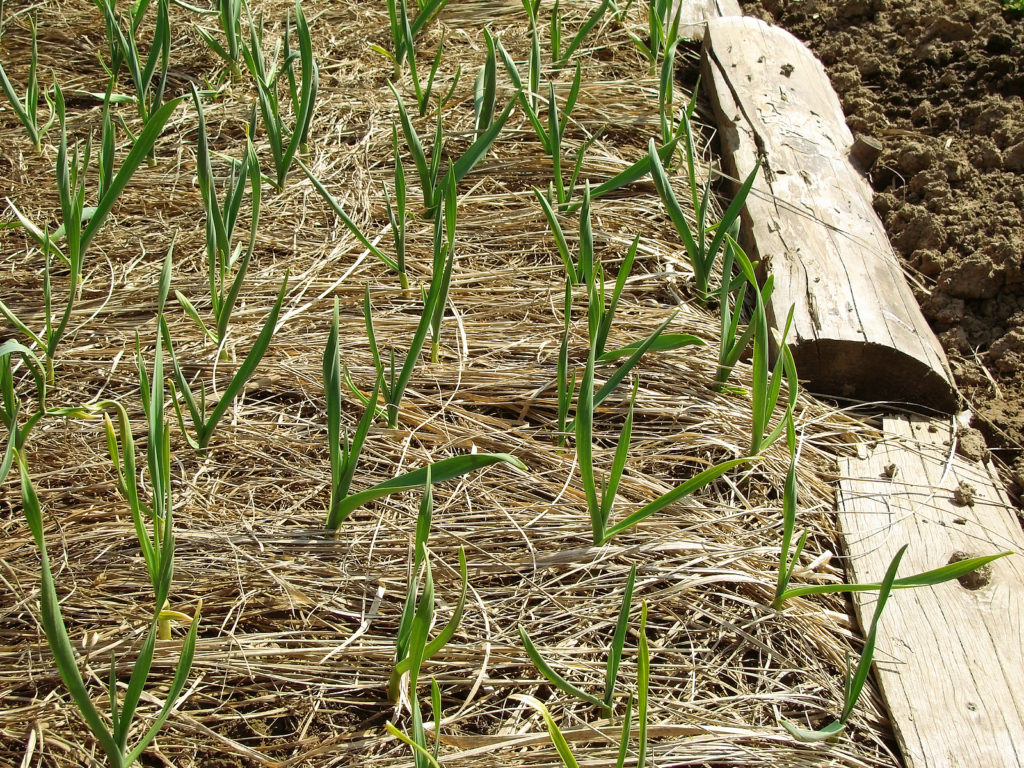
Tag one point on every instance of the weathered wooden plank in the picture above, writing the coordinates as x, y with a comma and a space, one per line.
858, 330
694, 15
950, 659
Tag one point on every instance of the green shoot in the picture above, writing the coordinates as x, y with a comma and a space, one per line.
731, 294
484, 89
229, 15
766, 384
550, 137
559, 58
663, 30
10, 403
633, 173
643, 681
701, 254
149, 76
80, 223
284, 142
403, 33
528, 96
429, 168
438, 471
397, 213
424, 756
556, 130
114, 740
27, 109
397, 266
554, 732
434, 302
854, 683
605, 703
411, 645
601, 506
221, 255
203, 422
566, 385
344, 457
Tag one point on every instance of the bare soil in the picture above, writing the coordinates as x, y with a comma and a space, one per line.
939, 84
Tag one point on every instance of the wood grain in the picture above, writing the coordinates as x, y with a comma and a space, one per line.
858, 329
696, 13
949, 659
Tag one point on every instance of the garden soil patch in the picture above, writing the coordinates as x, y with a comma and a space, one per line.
940, 85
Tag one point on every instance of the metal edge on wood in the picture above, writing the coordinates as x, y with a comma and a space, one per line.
949, 659
858, 330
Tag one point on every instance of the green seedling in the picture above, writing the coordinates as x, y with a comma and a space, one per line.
663, 17
399, 233
345, 456
566, 385
27, 109
205, 422
550, 137
149, 76
10, 403
606, 702
731, 295
79, 222
229, 15
397, 213
701, 254
527, 96
284, 141
404, 31
558, 739
600, 506
767, 380
425, 756
429, 168
422, 91
222, 256
412, 648
666, 98
113, 740
855, 682
438, 472
484, 89
620, 12
434, 302
559, 58
588, 270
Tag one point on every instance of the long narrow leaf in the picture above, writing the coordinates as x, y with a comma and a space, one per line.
446, 469
681, 491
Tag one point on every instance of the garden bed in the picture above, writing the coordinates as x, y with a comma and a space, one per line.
297, 635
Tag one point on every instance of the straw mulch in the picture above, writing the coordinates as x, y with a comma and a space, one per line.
298, 626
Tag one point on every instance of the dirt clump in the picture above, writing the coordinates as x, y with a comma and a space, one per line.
940, 85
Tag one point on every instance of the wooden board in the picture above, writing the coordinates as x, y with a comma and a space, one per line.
949, 659
858, 330
696, 13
